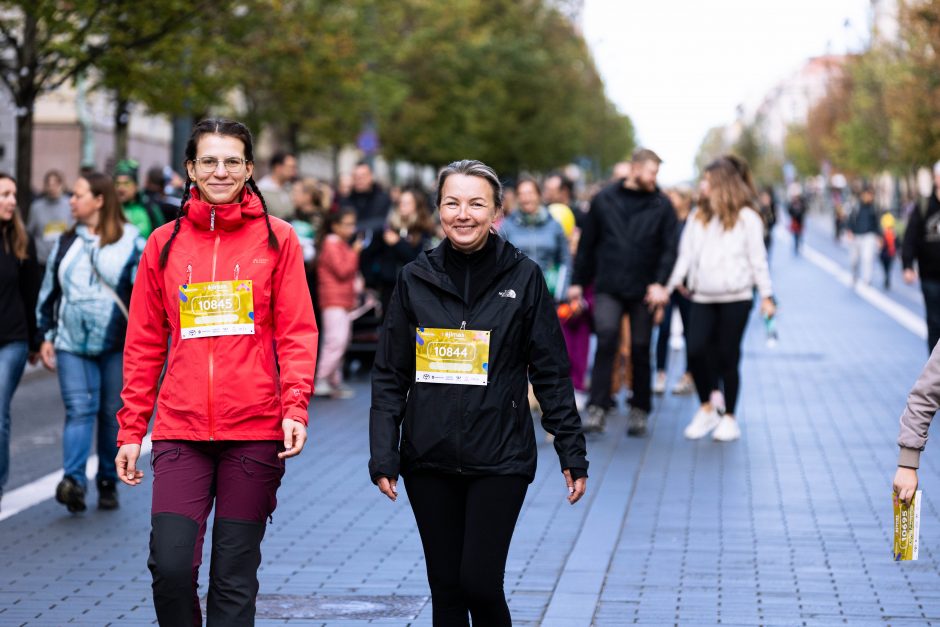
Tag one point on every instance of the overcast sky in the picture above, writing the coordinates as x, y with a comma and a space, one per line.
680, 67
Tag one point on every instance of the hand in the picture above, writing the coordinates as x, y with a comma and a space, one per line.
33, 358
126, 461
47, 355
391, 237
682, 289
575, 294
849, 236
767, 307
576, 488
656, 296
388, 487
357, 244
295, 436
909, 276
905, 484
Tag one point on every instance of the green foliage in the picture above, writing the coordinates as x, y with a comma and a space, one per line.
799, 152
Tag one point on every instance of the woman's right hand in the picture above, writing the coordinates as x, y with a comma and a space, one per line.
126, 461
47, 355
388, 487
905, 483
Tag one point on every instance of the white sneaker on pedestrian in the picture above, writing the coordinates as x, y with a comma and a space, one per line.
684, 385
659, 385
727, 430
322, 388
580, 400
702, 423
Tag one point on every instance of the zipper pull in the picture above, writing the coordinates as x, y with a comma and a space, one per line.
463, 325
237, 268
212, 219
189, 274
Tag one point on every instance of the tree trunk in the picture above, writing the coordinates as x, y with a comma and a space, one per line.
24, 158
122, 116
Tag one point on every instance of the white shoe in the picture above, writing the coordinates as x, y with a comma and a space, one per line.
322, 388
580, 400
702, 423
659, 385
727, 430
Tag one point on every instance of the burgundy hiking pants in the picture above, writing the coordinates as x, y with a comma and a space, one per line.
242, 479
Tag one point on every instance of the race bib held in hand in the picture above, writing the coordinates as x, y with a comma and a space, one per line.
907, 528
457, 356
216, 308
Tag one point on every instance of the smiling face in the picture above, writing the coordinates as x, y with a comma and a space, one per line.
467, 211
7, 199
219, 186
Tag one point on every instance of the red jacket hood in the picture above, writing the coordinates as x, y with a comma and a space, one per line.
228, 217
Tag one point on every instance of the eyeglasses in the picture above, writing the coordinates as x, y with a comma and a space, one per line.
208, 165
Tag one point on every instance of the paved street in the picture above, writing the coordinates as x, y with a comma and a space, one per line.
789, 526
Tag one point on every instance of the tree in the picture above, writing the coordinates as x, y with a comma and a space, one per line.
798, 151
49, 42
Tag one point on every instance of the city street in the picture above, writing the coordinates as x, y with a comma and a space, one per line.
791, 525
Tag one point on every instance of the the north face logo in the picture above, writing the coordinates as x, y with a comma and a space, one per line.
261, 260
508, 293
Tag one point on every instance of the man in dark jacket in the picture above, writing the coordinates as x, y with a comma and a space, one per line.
627, 249
370, 201
922, 244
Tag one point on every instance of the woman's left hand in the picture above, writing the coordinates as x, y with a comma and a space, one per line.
767, 307
576, 487
295, 436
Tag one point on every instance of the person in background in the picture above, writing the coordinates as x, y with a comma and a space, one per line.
863, 235
768, 213
337, 268
275, 185
82, 316
370, 201
797, 210
408, 231
889, 245
155, 187
721, 259
19, 288
681, 199
137, 208
627, 250
532, 230
921, 245
49, 215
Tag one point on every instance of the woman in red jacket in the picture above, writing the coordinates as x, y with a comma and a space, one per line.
218, 283
337, 268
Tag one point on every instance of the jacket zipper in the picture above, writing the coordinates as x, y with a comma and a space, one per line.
215, 255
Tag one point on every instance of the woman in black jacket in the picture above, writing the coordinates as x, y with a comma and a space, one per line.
469, 323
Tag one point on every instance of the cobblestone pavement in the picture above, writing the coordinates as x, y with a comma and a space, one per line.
791, 525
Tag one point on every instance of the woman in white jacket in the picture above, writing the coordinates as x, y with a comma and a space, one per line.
721, 259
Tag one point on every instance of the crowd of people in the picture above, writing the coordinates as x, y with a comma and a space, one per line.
133, 294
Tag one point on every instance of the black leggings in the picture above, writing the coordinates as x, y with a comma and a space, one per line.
466, 525
715, 333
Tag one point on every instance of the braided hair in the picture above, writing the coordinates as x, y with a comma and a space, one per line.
228, 128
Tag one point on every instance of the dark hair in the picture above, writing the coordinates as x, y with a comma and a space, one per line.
563, 182
471, 167
155, 176
111, 220
531, 180
332, 219
365, 163
13, 233
642, 155
48, 175
228, 128
278, 158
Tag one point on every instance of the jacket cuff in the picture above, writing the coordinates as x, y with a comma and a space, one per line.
909, 458
578, 473
125, 436
298, 414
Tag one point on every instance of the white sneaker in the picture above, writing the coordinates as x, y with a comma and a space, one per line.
322, 388
580, 400
727, 430
659, 385
702, 423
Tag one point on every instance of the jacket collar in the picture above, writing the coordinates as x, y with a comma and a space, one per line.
227, 217
429, 265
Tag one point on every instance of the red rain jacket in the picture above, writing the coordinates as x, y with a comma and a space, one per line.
232, 387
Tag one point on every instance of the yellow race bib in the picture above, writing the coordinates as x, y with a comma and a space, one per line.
216, 308
456, 356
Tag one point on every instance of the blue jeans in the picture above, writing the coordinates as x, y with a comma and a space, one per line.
12, 361
91, 391
931, 291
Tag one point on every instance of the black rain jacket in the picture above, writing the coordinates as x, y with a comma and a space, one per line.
471, 429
